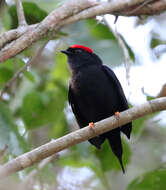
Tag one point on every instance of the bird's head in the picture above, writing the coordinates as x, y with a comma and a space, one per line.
79, 55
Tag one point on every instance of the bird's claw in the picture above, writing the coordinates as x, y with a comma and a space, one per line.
91, 125
117, 114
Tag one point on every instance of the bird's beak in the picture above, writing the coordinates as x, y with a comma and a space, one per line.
65, 52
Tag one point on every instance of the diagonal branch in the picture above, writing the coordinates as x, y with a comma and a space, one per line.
127, 59
75, 10
14, 34
66, 10
30, 158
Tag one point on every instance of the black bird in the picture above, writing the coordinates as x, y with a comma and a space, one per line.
94, 94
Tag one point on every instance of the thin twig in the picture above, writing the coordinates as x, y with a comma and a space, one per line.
146, 2
30, 158
17, 74
121, 43
20, 13
162, 92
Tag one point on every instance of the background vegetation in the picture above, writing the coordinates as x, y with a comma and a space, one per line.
35, 110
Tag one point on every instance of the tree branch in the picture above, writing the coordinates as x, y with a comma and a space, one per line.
75, 10
14, 34
127, 59
152, 8
20, 13
42, 29
34, 156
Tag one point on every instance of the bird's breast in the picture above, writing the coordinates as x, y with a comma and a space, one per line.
88, 82
94, 94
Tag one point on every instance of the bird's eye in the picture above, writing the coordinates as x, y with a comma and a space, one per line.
78, 50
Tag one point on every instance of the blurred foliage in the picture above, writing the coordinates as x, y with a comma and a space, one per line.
35, 108
138, 126
155, 42
154, 180
9, 134
6, 71
99, 30
33, 14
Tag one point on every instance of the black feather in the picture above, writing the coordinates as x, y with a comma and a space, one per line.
95, 94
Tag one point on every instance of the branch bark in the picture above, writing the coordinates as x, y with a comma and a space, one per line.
20, 13
13, 34
42, 29
73, 11
30, 158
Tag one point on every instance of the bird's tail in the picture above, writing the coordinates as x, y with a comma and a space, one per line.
116, 146
126, 129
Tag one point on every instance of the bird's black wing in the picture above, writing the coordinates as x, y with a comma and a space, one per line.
82, 122
126, 129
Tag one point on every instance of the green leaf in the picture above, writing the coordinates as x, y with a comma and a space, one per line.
155, 42
8, 64
99, 30
150, 98
19, 63
6, 71
59, 74
33, 14
34, 109
5, 75
154, 180
108, 160
138, 126
131, 53
29, 76
39, 109
60, 128
60, 71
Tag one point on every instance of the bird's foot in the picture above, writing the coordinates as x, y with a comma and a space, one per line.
117, 114
91, 125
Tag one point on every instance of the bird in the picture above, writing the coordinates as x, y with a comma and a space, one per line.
94, 94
